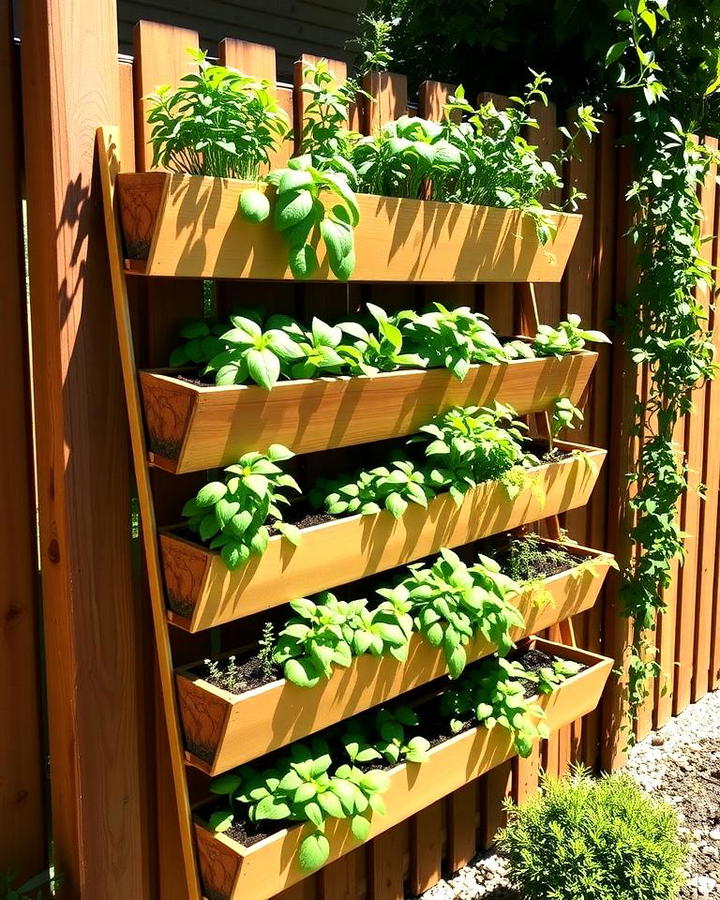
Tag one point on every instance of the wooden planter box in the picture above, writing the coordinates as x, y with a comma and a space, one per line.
202, 592
193, 427
189, 226
230, 871
223, 730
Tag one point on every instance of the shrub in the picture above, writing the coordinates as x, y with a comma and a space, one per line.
586, 839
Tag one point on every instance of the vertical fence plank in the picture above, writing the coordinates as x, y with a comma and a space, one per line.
462, 822
710, 474
688, 588
713, 622
626, 385
426, 847
495, 788
23, 840
386, 864
98, 682
345, 878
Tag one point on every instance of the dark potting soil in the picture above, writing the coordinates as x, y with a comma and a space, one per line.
548, 561
243, 674
694, 782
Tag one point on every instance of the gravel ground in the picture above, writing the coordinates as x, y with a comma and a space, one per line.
680, 764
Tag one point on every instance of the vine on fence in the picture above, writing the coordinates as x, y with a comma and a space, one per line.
665, 325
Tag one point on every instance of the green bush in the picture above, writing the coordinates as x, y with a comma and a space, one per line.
587, 839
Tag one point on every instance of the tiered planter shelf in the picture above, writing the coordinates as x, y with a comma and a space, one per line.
223, 730
232, 872
188, 226
202, 593
193, 427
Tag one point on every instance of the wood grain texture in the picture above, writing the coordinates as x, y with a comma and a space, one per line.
386, 864
223, 730
193, 427
23, 829
199, 234
495, 787
426, 847
267, 867
353, 547
161, 57
462, 825
98, 685
710, 474
178, 807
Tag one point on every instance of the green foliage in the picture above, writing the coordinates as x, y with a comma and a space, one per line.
233, 515
306, 786
450, 604
383, 737
248, 349
568, 337
35, 888
216, 122
564, 415
329, 632
468, 446
493, 693
528, 555
450, 338
460, 449
593, 839
665, 325
266, 650
329, 776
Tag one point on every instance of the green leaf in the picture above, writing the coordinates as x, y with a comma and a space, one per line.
272, 808
314, 852
211, 493
220, 821
615, 52
360, 827
302, 672
303, 261
292, 207
225, 784
264, 367
396, 505
254, 205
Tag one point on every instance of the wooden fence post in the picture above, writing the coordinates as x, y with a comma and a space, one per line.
23, 840
98, 659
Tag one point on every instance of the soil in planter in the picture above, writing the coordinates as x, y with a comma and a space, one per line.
432, 726
248, 672
528, 559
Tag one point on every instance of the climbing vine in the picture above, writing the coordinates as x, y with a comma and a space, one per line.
665, 325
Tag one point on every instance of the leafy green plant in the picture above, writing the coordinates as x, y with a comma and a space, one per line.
598, 839
665, 325
450, 603
549, 678
201, 343
329, 632
233, 516
564, 414
266, 650
568, 337
527, 555
391, 487
34, 888
381, 352
493, 693
451, 338
470, 445
215, 122
383, 737
303, 786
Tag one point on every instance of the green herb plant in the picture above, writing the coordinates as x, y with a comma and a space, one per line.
450, 604
215, 122
305, 786
665, 324
564, 414
328, 632
384, 737
493, 693
568, 337
599, 839
233, 516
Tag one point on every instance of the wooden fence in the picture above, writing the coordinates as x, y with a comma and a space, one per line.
113, 821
